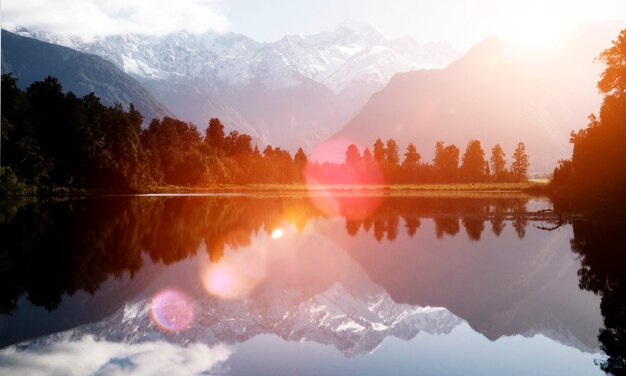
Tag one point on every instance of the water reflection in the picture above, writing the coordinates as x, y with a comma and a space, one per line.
601, 245
57, 248
227, 270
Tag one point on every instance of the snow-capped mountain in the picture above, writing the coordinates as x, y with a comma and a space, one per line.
351, 323
31, 60
292, 92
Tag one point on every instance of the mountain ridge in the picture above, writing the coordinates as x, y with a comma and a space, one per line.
499, 92
33, 60
296, 91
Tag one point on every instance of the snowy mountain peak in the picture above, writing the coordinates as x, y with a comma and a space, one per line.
227, 57
310, 85
351, 323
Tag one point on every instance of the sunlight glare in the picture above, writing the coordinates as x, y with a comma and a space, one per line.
278, 233
171, 310
540, 24
325, 189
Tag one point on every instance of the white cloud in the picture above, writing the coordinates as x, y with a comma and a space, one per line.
91, 18
90, 357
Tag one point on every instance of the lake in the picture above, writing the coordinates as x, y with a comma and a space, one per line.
336, 283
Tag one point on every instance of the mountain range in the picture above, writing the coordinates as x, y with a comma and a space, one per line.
346, 291
499, 92
33, 60
293, 92
351, 84
352, 324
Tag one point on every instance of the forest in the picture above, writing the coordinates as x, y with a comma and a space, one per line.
54, 140
57, 142
595, 176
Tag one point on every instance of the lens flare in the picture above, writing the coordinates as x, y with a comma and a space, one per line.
238, 272
228, 282
278, 233
171, 310
328, 177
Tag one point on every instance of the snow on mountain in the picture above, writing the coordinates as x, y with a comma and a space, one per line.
306, 85
351, 52
352, 324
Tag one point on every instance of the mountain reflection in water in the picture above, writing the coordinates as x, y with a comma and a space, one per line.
90, 271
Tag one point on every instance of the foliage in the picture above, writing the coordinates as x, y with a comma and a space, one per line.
519, 167
51, 248
446, 162
600, 246
474, 167
54, 139
498, 163
596, 175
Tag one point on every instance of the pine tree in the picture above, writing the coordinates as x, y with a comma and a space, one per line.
379, 152
392, 154
498, 163
411, 158
300, 159
353, 156
473, 167
519, 167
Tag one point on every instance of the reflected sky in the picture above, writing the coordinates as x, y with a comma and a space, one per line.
443, 284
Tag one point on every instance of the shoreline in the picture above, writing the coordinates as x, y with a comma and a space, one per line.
531, 187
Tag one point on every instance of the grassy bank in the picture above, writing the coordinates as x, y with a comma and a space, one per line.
531, 186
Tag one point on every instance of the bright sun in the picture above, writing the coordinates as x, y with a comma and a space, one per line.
540, 24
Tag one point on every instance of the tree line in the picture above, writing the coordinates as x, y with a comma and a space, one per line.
595, 175
384, 164
100, 237
55, 139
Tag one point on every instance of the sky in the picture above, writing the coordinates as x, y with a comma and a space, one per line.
460, 22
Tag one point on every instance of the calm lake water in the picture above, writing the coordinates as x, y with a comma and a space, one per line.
445, 284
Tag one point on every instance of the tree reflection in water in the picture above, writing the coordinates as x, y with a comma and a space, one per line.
53, 248
601, 246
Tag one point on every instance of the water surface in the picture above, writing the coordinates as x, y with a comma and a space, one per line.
447, 284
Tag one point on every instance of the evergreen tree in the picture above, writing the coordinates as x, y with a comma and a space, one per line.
519, 167
215, 135
411, 158
300, 159
473, 168
368, 158
410, 164
392, 154
379, 152
498, 163
353, 156
446, 162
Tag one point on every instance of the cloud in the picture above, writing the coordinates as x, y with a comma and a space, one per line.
90, 18
90, 357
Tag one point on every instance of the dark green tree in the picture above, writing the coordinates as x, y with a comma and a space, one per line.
215, 135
